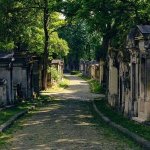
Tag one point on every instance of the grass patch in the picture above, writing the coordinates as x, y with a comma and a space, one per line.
60, 86
7, 135
140, 129
6, 114
64, 83
111, 133
95, 86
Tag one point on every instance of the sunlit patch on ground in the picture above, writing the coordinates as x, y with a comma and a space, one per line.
67, 124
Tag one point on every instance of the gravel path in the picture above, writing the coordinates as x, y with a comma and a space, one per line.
78, 89
68, 124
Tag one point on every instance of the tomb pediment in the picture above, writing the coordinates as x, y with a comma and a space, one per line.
138, 38
144, 29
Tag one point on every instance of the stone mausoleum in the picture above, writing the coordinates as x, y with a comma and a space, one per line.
19, 77
138, 44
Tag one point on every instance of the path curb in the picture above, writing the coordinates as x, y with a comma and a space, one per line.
138, 139
7, 124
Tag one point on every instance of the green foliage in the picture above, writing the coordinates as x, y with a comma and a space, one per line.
111, 20
6, 46
118, 118
64, 84
96, 87
55, 75
22, 27
8, 113
58, 45
83, 43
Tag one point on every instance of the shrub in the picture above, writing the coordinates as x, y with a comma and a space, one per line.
55, 75
96, 87
63, 84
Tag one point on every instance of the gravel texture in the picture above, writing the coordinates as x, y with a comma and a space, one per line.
68, 124
78, 89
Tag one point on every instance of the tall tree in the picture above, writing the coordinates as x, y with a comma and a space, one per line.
29, 24
76, 36
109, 18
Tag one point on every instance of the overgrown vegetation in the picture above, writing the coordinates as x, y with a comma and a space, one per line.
95, 86
58, 86
118, 118
55, 74
64, 83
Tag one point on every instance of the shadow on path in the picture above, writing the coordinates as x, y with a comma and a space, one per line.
78, 89
67, 125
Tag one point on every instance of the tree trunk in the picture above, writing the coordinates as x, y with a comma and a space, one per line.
46, 44
105, 46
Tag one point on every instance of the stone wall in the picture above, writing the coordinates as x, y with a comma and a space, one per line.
92, 69
113, 84
3, 95
5, 74
20, 78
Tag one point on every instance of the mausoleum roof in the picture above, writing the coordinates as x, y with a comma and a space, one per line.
57, 61
6, 55
144, 29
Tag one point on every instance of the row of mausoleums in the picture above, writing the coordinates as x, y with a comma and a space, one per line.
128, 75
21, 76
92, 69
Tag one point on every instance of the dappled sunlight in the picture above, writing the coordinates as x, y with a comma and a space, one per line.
71, 140
17, 138
85, 124
78, 89
76, 141
66, 124
32, 123
84, 116
63, 144
52, 108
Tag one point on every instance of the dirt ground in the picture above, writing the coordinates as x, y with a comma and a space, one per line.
78, 89
68, 123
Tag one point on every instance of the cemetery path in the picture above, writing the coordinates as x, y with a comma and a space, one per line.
78, 89
68, 124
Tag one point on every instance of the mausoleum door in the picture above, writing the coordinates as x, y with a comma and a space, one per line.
143, 79
133, 82
134, 89
120, 93
148, 77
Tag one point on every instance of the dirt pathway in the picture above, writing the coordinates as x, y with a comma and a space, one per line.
68, 124
78, 89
